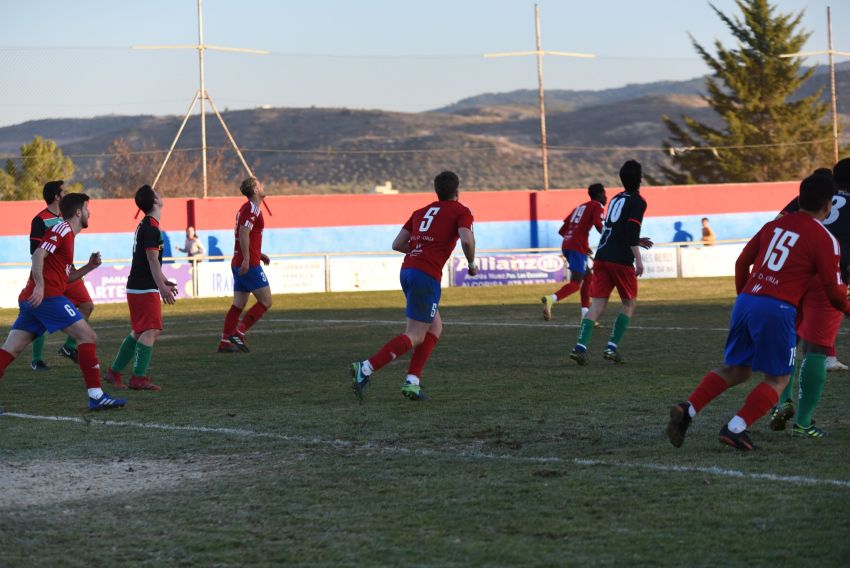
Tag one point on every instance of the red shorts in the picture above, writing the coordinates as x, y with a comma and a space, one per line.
145, 311
610, 275
77, 292
817, 321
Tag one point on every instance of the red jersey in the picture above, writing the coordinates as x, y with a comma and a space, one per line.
577, 226
249, 216
786, 254
434, 234
58, 241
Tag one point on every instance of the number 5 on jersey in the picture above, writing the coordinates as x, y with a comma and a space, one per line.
428, 218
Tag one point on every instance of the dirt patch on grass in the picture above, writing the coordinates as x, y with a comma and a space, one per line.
44, 482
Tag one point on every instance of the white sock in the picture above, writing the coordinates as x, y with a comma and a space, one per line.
412, 380
366, 367
95, 393
691, 410
737, 425
584, 312
554, 298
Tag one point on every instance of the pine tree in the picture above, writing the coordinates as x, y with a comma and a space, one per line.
41, 161
763, 133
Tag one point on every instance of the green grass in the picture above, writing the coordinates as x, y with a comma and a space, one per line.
520, 458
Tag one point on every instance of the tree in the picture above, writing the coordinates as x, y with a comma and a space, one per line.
129, 169
764, 133
41, 161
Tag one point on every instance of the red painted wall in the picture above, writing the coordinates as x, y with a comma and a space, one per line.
117, 215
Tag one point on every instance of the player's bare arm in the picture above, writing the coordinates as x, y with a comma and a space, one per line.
401, 243
245, 243
94, 262
638, 260
467, 243
168, 290
38, 277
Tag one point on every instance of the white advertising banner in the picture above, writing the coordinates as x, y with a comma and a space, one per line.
710, 261
12, 281
659, 262
352, 274
285, 277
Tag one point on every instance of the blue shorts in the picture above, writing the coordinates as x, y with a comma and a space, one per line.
422, 293
54, 313
762, 335
576, 261
254, 279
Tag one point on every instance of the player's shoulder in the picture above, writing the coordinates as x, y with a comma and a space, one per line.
462, 208
60, 231
44, 215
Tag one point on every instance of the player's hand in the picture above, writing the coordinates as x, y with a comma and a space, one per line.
266, 260
168, 291
95, 260
645, 243
472, 270
172, 285
37, 296
638, 267
243, 268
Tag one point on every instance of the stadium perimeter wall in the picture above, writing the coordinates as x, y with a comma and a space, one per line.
368, 223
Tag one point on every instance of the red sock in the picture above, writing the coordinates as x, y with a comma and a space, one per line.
566, 290
231, 320
831, 351
584, 293
710, 387
253, 316
394, 348
421, 354
89, 364
6, 359
759, 402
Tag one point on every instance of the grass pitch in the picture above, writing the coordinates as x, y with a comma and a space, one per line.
520, 458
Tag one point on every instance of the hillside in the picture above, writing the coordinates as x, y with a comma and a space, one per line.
491, 139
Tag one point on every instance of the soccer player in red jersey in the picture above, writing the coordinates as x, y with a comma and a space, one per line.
818, 321
53, 192
427, 239
575, 247
43, 306
785, 254
617, 264
145, 286
248, 275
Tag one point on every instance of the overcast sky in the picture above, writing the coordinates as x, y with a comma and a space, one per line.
73, 59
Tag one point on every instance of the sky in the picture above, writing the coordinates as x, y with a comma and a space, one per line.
73, 59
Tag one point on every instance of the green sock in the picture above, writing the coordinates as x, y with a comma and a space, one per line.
143, 359
788, 393
70, 343
812, 381
619, 330
38, 348
585, 332
125, 353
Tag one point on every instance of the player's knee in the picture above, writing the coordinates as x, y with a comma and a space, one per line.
267, 302
87, 336
86, 309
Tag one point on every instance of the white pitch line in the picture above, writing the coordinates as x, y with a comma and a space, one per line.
585, 462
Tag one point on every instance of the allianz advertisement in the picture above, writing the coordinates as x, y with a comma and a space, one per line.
504, 269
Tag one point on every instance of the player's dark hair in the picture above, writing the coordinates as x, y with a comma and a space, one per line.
248, 186
72, 203
631, 175
815, 192
51, 190
841, 174
145, 198
704, 219
446, 184
595, 190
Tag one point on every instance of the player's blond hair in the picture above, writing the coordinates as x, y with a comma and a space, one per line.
248, 186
